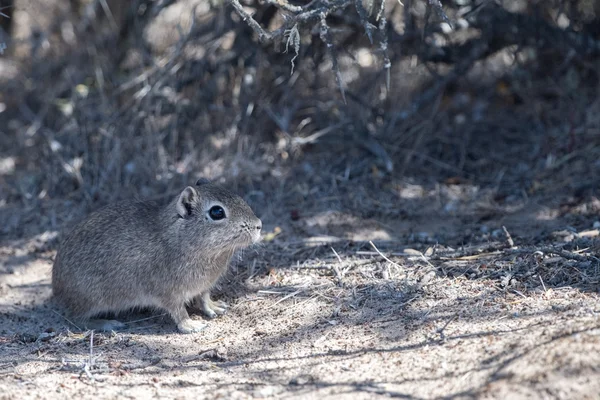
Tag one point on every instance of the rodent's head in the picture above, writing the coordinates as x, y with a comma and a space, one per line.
216, 217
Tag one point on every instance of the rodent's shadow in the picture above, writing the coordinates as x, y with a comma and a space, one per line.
32, 321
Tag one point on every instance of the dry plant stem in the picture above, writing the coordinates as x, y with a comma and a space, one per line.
286, 297
325, 35
311, 12
3, 14
509, 239
480, 252
364, 19
338, 272
315, 136
262, 35
91, 348
146, 319
382, 255
565, 254
87, 368
383, 45
109, 15
437, 5
67, 319
284, 5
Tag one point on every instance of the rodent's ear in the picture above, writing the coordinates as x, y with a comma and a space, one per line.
187, 201
202, 181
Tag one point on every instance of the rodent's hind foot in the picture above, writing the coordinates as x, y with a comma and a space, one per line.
191, 326
209, 307
104, 325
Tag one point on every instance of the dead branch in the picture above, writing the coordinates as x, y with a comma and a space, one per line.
383, 45
364, 19
284, 5
328, 40
312, 12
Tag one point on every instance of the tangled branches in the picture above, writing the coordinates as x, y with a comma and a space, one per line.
317, 11
496, 27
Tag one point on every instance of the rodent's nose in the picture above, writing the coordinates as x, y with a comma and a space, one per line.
258, 225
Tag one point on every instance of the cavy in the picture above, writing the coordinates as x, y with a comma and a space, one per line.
139, 254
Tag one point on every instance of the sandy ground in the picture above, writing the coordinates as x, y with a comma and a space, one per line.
302, 330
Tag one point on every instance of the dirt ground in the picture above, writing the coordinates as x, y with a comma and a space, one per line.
470, 269
309, 325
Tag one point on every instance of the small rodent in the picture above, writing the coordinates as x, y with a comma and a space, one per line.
140, 254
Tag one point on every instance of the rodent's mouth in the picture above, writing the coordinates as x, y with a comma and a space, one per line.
256, 237
248, 238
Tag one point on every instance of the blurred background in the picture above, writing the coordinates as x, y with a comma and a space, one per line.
421, 121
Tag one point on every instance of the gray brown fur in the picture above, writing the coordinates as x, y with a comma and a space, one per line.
139, 254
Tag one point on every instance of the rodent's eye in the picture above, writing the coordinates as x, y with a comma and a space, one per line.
216, 213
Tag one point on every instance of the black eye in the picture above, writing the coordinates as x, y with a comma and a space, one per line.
216, 213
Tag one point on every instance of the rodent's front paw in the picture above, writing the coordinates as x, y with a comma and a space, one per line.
213, 308
191, 326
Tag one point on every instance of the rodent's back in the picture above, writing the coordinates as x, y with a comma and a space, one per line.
115, 244
136, 254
